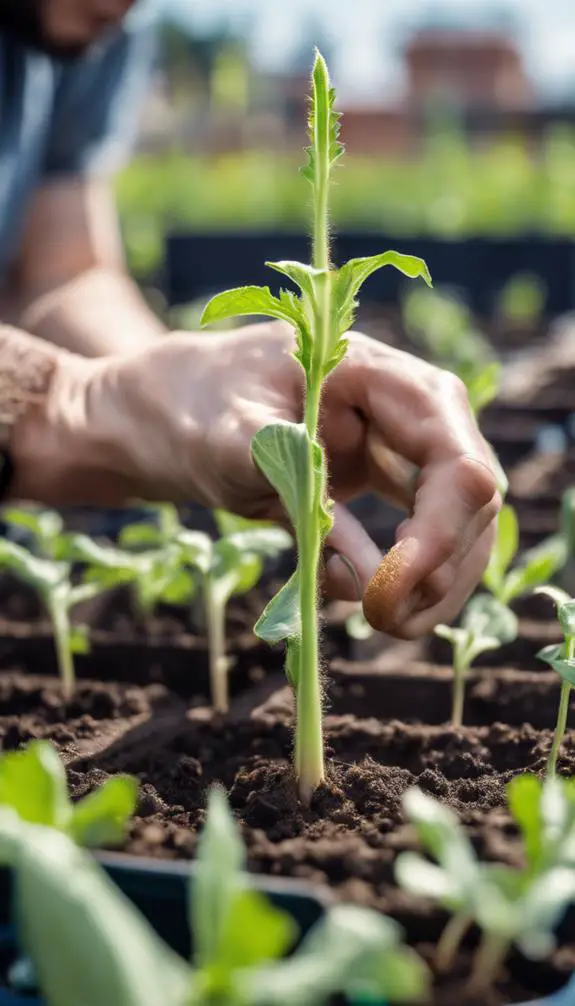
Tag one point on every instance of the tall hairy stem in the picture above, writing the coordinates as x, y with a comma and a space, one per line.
309, 730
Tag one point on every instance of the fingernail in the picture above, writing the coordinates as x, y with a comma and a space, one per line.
343, 572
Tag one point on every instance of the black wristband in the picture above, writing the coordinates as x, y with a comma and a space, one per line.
6, 473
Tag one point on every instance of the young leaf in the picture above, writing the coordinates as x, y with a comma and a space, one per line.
220, 860
323, 123
101, 817
483, 386
565, 607
79, 640
251, 300
253, 932
140, 536
87, 942
537, 566
281, 452
486, 619
351, 277
281, 618
503, 551
554, 655
33, 784
351, 950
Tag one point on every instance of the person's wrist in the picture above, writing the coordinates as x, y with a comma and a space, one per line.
70, 447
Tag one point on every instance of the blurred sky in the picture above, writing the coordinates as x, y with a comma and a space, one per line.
367, 34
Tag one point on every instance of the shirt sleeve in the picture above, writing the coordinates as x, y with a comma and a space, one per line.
97, 105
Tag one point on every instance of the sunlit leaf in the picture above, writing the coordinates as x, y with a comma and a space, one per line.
503, 550
101, 818
33, 783
220, 860
250, 300
281, 618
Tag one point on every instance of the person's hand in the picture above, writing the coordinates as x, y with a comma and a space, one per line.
175, 421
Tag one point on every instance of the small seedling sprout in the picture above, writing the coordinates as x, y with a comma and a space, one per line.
561, 658
290, 455
33, 784
224, 568
535, 567
443, 325
521, 907
88, 943
486, 624
51, 579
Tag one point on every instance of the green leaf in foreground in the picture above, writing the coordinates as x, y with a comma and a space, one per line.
33, 785
87, 942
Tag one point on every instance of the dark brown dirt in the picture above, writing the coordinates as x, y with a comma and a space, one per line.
351, 835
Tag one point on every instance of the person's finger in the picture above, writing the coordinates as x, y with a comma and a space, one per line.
456, 497
460, 584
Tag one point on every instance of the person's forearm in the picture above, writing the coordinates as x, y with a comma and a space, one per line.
100, 313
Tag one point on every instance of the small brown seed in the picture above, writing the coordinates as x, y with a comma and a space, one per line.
381, 599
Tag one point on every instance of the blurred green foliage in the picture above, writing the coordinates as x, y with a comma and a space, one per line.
453, 190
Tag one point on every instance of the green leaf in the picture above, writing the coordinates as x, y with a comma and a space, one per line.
281, 451
441, 835
42, 574
503, 551
293, 661
323, 123
542, 909
87, 942
220, 860
483, 386
33, 784
281, 618
254, 931
266, 542
79, 640
352, 950
233, 572
565, 607
554, 655
140, 536
485, 618
181, 589
250, 300
350, 278
196, 549
101, 818
524, 801
537, 566
418, 876
45, 525
304, 276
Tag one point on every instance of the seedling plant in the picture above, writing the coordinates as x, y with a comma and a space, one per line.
51, 579
290, 455
33, 784
535, 567
87, 943
221, 569
486, 625
561, 658
510, 906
